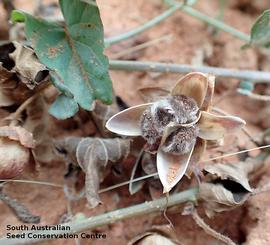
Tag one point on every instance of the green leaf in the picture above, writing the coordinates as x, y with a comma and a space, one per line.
74, 51
260, 31
63, 107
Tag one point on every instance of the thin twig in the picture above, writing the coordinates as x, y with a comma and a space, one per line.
216, 23
140, 46
256, 76
244, 129
261, 189
254, 96
206, 160
109, 218
236, 153
27, 102
20, 211
210, 231
31, 182
23, 106
127, 182
142, 177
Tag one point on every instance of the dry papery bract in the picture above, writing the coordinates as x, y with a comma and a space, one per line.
94, 156
101, 114
145, 165
22, 76
176, 126
227, 186
158, 235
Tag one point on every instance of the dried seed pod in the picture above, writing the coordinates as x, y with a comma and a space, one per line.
149, 130
181, 140
173, 109
163, 116
187, 105
184, 108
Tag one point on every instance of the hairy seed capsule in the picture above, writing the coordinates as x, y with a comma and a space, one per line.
177, 109
148, 127
181, 140
185, 108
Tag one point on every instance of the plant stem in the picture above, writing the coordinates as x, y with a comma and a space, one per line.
216, 23
210, 231
141, 46
174, 7
111, 40
111, 217
31, 182
249, 75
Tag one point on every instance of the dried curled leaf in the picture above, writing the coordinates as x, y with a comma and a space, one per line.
20, 72
150, 94
145, 165
27, 66
218, 199
12, 91
7, 86
24, 137
158, 235
15, 150
37, 120
237, 172
20, 211
228, 185
93, 155
101, 115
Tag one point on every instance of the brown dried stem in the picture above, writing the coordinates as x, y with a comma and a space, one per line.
200, 222
111, 217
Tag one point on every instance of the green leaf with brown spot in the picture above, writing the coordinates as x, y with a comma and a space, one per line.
74, 51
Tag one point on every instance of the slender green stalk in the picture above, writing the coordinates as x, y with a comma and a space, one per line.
111, 40
216, 23
174, 7
110, 217
256, 76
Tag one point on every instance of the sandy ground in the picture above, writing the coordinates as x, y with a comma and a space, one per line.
190, 42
